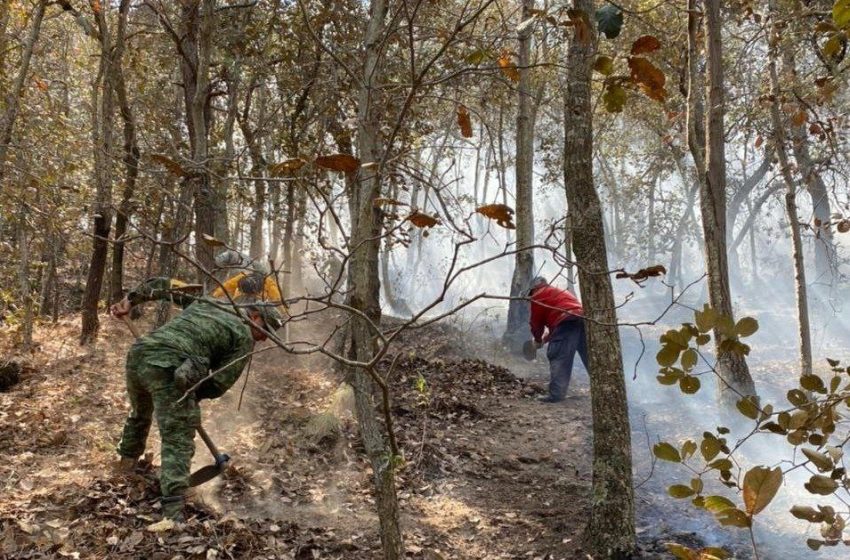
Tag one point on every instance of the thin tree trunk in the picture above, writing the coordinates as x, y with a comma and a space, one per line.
48, 285
611, 531
298, 243
803, 328
276, 218
258, 211
650, 226
131, 158
517, 331
815, 186
732, 367
194, 46
753, 255
364, 283
24, 279
13, 99
103, 107
288, 229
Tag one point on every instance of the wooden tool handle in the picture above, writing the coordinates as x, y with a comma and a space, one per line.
207, 440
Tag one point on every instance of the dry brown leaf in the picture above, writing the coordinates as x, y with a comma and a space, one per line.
501, 213
645, 44
339, 162
509, 69
843, 226
650, 79
464, 121
211, 241
643, 274
378, 202
422, 220
287, 167
172, 166
799, 118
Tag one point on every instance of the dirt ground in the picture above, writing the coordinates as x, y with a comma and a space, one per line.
489, 472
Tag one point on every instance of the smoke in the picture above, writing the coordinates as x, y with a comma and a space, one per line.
763, 288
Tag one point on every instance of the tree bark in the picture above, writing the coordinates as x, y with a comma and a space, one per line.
517, 331
363, 279
13, 99
24, 278
131, 158
103, 108
611, 531
194, 46
815, 186
803, 328
258, 168
732, 368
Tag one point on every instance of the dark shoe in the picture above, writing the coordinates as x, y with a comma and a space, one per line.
549, 399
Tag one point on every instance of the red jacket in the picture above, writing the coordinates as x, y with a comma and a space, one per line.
550, 306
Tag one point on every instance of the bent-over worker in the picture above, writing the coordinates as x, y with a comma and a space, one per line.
559, 312
162, 365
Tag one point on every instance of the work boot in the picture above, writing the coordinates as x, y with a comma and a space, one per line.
172, 508
549, 399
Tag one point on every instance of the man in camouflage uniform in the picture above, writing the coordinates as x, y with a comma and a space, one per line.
161, 366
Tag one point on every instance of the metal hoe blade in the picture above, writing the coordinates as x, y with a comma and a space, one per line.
205, 474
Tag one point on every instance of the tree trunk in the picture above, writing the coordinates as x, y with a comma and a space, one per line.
364, 283
24, 279
103, 107
131, 159
753, 255
298, 243
195, 49
732, 367
517, 331
611, 531
13, 99
48, 284
803, 330
650, 220
288, 230
824, 245
257, 248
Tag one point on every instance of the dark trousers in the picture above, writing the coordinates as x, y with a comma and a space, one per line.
567, 339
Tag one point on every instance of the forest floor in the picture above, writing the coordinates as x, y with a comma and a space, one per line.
489, 473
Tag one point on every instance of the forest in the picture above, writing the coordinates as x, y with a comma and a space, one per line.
425, 279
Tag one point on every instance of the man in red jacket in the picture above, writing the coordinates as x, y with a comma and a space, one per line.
561, 313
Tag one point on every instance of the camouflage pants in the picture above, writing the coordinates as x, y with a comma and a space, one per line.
151, 390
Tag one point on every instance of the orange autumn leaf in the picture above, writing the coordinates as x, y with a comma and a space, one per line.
645, 44
339, 162
509, 69
422, 220
287, 167
464, 122
504, 215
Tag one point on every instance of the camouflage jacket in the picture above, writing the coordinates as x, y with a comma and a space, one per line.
205, 332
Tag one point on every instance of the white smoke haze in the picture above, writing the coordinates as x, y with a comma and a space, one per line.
763, 287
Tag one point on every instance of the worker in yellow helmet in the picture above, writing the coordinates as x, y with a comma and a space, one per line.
252, 278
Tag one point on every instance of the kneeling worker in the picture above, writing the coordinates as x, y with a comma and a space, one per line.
207, 336
561, 313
